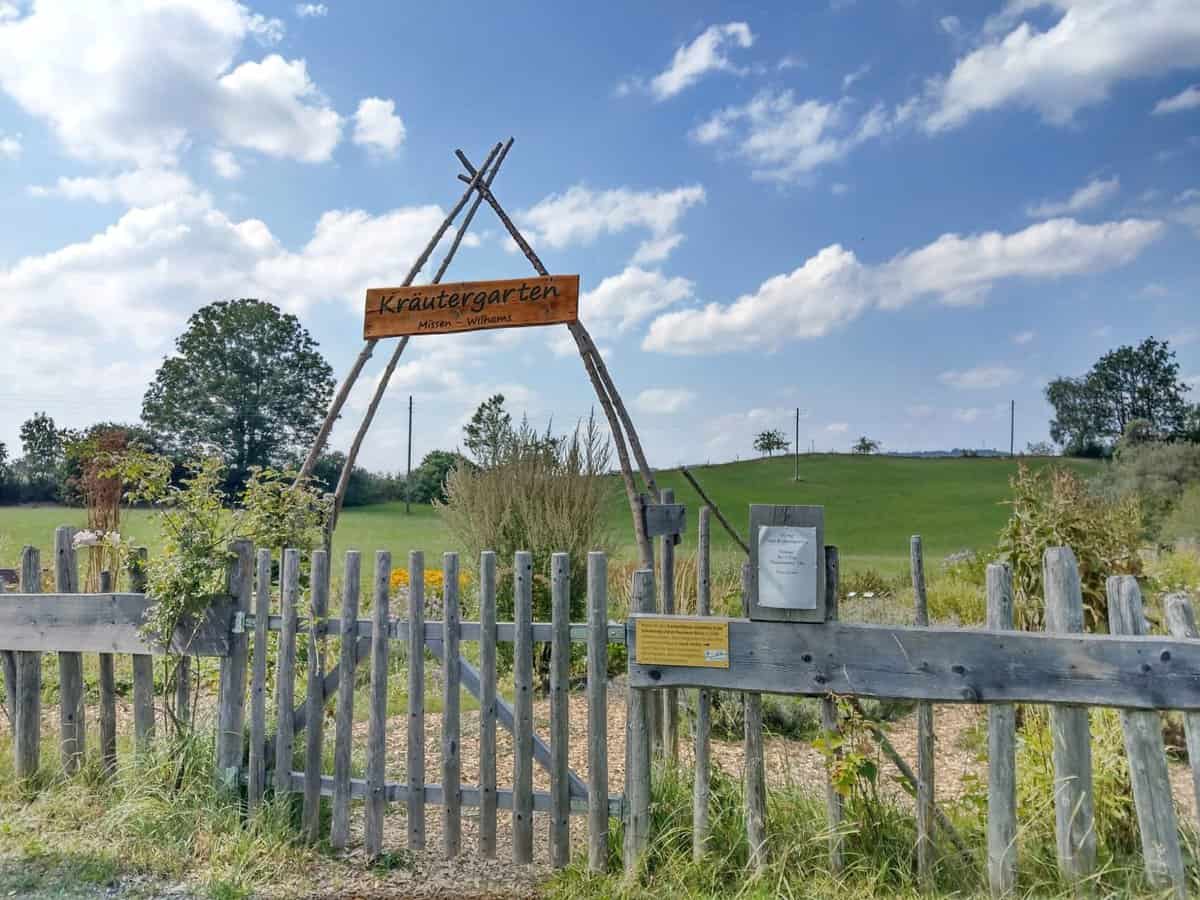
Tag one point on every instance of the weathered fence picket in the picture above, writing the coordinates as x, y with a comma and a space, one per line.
339, 827
107, 683
754, 763
231, 687
925, 773
1002, 752
143, 665
451, 724
27, 718
670, 697
830, 724
70, 665
560, 661
257, 768
702, 774
522, 813
597, 697
1181, 622
285, 669
310, 820
416, 700
487, 704
377, 710
638, 744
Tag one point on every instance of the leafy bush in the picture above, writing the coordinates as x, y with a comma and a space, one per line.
958, 593
1183, 521
1157, 472
1174, 571
1052, 507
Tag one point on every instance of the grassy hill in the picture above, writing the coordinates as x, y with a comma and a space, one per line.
872, 505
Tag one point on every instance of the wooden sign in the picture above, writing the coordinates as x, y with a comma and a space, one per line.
471, 306
674, 641
787, 563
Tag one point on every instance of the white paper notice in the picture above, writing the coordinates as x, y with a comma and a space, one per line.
787, 567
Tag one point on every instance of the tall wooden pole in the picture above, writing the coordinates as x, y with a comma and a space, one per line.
796, 446
408, 471
1012, 427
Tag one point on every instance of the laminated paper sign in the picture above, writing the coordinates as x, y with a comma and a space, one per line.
787, 567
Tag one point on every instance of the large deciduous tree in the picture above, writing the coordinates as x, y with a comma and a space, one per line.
1125, 385
769, 441
247, 382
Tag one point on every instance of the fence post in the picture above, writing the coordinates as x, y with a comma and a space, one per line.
925, 765
143, 665
1147, 761
597, 690
703, 773
523, 708
560, 662
834, 805
756, 775
638, 745
70, 665
285, 671
376, 803
487, 704
451, 700
1002, 751
108, 696
1075, 829
670, 697
28, 714
231, 689
1182, 623
314, 696
257, 780
339, 829
416, 700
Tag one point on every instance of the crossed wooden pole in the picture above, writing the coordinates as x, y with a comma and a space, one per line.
479, 182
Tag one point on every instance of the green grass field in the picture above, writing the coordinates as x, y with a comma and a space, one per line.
872, 505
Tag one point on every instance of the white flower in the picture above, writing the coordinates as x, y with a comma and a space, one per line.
852, 594
869, 595
86, 538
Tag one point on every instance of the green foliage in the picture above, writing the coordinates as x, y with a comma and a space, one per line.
279, 511
1157, 472
247, 382
1053, 508
428, 482
489, 430
865, 446
769, 441
1182, 523
1176, 571
364, 487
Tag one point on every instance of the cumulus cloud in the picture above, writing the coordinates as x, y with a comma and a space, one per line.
580, 215
377, 127
10, 146
225, 164
784, 140
833, 287
1091, 195
967, 415
311, 10
707, 53
165, 79
141, 187
1073, 64
623, 301
858, 74
1188, 98
980, 378
663, 401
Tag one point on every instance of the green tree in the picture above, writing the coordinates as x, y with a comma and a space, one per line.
489, 432
42, 460
247, 382
865, 445
1093, 411
769, 441
429, 479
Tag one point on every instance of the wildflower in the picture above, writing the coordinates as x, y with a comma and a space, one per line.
86, 538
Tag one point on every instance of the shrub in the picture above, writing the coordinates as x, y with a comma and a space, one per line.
1174, 571
1183, 521
1052, 508
1157, 472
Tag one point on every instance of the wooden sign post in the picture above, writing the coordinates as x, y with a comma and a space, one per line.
787, 563
470, 306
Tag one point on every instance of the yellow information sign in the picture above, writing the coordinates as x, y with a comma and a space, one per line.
682, 642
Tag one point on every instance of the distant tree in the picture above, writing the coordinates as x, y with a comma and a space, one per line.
769, 441
865, 445
1093, 411
1039, 448
489, 431
429, 479
247, 383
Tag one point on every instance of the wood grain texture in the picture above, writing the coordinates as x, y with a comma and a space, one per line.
945, 665
1002, 752
1152, 799
231, 687
314, 744
752, 742
702, 773
470, 306
415, 751
831, 724
451, 702
376, 803
257, 772
143, 664
1074, 819
523, 709
343, 738
669, 697
487, 705
560, 733
285, 670
763, 515
925, 765
637, 747
597, 697
72, 728
1181, 621
27, 718
107, 684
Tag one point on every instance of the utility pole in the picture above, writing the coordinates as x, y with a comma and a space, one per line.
408, 474
796, 446
1012, 427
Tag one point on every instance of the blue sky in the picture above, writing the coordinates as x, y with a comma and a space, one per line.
898, 216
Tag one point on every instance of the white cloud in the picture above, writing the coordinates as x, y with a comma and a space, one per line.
311, 10
967, 415
1091, 195
623, 301
783, 140
377, 127
1188, 98
791, 61
10, 146
838, 188
707, 53
225, 164
1073, 64
663, 401
980, 378
8, 10
951, 25
858, 74
132, 82
1023, 337
837, 427
580, 215
833, 287
1187, 209
140, 187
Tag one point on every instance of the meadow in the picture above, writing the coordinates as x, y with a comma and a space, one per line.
872, 505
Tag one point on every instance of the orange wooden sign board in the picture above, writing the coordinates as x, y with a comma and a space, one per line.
471, 306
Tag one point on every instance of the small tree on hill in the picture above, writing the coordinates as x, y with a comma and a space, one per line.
489, 431
865, 445
769, 441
